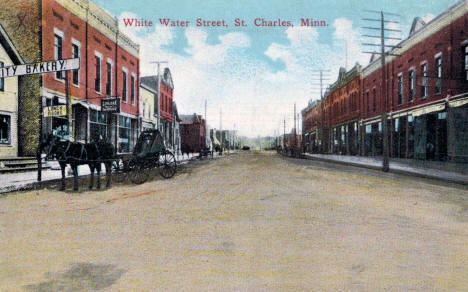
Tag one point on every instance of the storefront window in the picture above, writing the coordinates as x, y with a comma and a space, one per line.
125, 130
410, 137
98, 125
5, 129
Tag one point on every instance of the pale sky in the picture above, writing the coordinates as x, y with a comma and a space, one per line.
256, 74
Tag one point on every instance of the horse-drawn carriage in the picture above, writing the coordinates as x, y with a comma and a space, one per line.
150, 153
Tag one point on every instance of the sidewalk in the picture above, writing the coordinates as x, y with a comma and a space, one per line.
21, 181
448, 172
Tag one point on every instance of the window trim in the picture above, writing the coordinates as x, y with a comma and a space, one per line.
436, 57
412, 82
100, 57
125, 85
9, 132
401, 87
111, 62
425, 63
3, 79
78, 44
134, 88
59, 33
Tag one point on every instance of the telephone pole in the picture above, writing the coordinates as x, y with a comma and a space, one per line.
383, 87
159, 90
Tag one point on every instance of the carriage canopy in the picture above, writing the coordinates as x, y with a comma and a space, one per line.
150, 142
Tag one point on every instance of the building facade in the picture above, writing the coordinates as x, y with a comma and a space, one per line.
9, 98
109, 68
193, 132
165, 101
420, 96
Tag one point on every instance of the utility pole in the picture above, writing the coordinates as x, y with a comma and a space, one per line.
159, 90
295, 129
319, 80
383, 87
206, 124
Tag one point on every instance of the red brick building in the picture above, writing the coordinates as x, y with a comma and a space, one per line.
421, 94
109, 68
193, 132
342, 104
166, 103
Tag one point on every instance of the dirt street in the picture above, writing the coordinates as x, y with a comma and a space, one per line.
247, 222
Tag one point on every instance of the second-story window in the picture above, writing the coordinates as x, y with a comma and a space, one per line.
424, 80
2, 80
97, 83
58, 53
368, 101
374, 100
132, 89
438, 69
76, 73
412, 82
124, 90
400, 89
109, 79
466, 62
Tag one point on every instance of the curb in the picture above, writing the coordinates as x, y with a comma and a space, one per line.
39, 185
392, 170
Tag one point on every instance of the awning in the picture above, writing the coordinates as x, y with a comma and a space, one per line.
86, 104
372, 121
428, 109
215, 141
400, 114
458, 102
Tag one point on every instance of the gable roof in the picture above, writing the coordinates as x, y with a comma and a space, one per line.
9, 47
189, 119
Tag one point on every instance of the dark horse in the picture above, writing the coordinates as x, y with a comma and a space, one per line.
186, 149
75, 153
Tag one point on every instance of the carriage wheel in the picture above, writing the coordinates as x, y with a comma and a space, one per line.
168, 165
139, 174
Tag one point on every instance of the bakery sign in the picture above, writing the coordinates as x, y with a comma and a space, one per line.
40, 67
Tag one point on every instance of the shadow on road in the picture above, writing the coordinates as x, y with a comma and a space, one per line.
80, 277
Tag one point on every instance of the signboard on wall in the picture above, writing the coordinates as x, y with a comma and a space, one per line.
40, 68
55, 111
110, 105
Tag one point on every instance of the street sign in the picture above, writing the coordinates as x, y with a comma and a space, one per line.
55, 111
40, 68
110, 105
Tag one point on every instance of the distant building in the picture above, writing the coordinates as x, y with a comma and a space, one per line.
165, 102
193, 132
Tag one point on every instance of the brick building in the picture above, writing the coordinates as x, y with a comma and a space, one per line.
193, 132
60, 29
313, 125
166, 103
342, 105
421, 94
